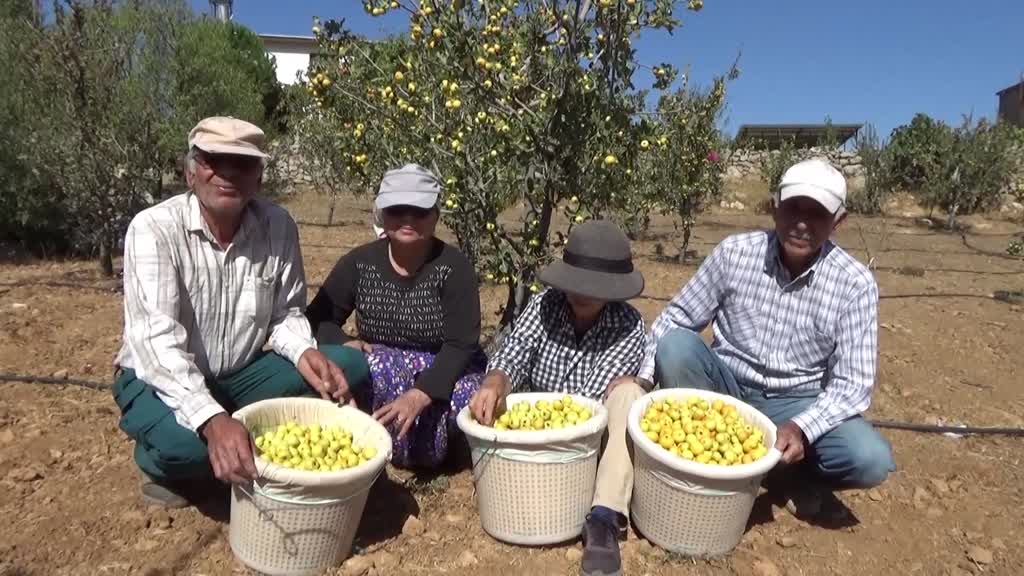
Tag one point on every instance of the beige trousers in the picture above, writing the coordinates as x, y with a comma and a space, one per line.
615, 469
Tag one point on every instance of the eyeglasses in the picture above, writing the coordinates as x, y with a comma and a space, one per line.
399, 212
221, 162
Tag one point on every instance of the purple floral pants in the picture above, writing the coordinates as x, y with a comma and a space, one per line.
393, 372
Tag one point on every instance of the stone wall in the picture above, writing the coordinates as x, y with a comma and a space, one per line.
745, 163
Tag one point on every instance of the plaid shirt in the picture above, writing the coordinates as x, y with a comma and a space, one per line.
543, 353
194, 312
817, 333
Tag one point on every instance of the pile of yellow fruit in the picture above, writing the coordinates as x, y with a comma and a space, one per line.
702, 431
543, 415
315, 448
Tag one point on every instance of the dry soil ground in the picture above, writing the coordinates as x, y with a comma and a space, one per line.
949, 352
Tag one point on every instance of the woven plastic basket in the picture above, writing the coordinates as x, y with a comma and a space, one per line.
296, 522
535, 487
688, 507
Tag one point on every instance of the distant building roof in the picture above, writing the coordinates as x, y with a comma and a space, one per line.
275, 40
1017, 86
802, 135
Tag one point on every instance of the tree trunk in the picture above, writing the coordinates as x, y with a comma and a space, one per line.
684, 247
106, 255
951, 219
330, 210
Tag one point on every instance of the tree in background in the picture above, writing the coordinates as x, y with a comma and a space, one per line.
916, 151
774, 163
871, 197
528, 104
221, 69
103, 69
29, 203
974, 170
680, 178
98, 105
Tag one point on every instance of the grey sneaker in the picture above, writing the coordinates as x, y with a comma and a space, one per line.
600, 549
157, 494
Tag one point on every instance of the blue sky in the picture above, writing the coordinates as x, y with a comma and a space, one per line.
877, 61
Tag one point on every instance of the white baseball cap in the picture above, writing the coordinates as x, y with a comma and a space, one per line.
815, 179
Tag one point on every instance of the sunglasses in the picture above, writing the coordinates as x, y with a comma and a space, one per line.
403, 211
220, 162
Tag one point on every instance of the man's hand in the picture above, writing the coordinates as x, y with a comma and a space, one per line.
488, 398
230, 449
790, 441
403, 410
618, 381
324, 376
359, 345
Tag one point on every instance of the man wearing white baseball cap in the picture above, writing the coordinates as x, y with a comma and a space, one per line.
795, 322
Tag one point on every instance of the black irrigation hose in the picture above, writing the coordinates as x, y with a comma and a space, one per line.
4, 377
926, 428
940, 429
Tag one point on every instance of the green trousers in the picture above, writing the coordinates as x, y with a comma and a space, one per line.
169, 452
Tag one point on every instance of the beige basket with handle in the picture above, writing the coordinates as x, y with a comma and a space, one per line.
535, 487
688, 507
296, 522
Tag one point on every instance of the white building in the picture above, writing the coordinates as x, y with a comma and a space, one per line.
291, 54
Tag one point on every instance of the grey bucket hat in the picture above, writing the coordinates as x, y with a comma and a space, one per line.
597, 263
410, 185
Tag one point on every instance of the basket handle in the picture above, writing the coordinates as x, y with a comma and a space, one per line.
290, 547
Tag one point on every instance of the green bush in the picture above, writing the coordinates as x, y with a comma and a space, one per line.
774, 164
870, 198
976, 169
917, 151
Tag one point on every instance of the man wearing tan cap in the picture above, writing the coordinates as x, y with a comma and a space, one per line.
211, 278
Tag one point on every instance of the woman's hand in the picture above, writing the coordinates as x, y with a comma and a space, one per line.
486, 402
403, 410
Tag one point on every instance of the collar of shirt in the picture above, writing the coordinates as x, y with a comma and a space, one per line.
251, 221
774, 267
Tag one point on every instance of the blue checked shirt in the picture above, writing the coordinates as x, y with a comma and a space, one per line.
817, 332
543, 354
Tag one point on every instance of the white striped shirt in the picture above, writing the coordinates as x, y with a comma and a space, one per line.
818, 332
194, 311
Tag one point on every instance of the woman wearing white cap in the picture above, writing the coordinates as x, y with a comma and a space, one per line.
417, 308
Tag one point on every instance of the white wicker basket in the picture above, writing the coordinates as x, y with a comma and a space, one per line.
535, 487
688, 507
296, 522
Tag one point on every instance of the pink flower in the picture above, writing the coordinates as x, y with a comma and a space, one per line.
713, 156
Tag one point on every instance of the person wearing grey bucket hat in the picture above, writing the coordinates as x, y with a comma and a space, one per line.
417, 308
581, 337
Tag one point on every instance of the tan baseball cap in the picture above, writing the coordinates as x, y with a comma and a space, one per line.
226, 135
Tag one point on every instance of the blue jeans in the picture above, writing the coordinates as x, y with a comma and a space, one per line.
852, 455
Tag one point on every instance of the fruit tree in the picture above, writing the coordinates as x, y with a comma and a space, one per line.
525, 109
